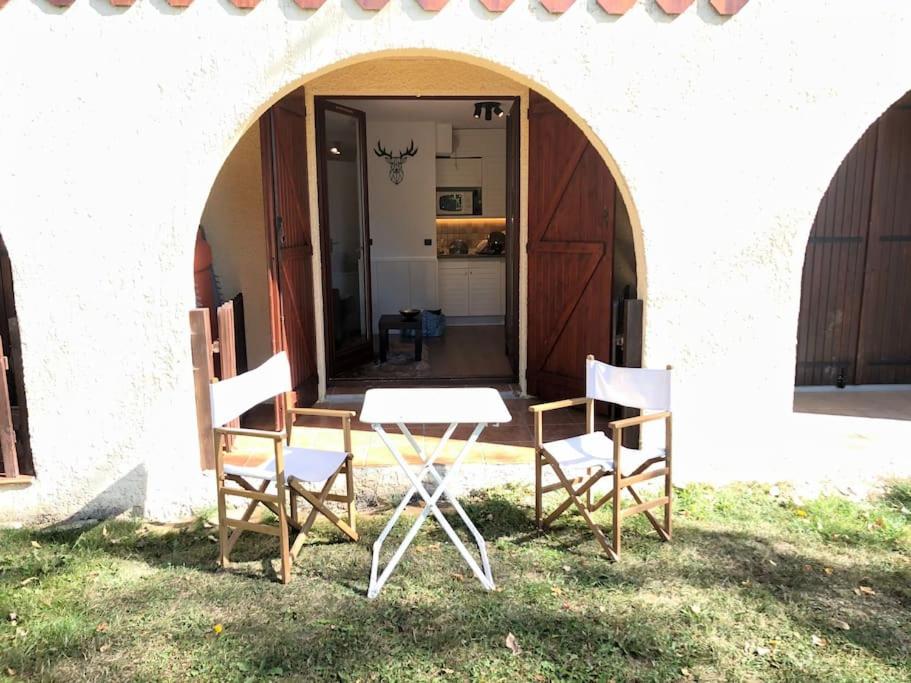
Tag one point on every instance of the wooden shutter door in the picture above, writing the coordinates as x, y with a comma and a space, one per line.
284, 147
833, 271
570, 238
884, 349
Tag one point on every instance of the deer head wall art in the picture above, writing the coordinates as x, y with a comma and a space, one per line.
396, 172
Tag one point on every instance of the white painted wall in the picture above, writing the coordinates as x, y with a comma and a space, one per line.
401, 217
722, 133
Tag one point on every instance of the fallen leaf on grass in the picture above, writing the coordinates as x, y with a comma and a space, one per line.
864, 590
212, 538
102, 627
567, 568
457, 576
10, 671
27, 581
696, 609
36, 544
817, 641
513, 644
556, 590
827, 571
842, 625
104, 647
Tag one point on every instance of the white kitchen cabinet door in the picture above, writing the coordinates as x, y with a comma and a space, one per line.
486, 285
454, 289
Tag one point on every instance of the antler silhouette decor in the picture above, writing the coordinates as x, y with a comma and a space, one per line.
396, 172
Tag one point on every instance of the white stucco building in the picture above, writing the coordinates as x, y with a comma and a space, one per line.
721, 132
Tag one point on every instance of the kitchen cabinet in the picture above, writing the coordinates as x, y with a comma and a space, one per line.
473, 286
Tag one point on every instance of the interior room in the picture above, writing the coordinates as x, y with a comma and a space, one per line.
413, 206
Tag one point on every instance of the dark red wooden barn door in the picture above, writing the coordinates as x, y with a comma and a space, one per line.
570, 237
856, 292
284, 147
884, 349
833, 272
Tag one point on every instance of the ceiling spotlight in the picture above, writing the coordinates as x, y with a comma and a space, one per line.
490, 108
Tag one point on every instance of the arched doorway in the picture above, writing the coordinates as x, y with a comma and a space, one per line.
570, 291
854, 327
15, 454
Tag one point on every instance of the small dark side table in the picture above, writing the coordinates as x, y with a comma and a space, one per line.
396, 322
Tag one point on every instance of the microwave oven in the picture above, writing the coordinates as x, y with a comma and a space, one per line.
458, 201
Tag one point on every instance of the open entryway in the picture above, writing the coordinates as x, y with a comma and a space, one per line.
417, 260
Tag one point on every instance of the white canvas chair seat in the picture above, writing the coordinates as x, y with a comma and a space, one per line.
580, 462
595, 450
305, 464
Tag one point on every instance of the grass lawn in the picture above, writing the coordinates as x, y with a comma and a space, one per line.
754, 587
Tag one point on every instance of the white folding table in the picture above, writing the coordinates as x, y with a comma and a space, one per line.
402, 407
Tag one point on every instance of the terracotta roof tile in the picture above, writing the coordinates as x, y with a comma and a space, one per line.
723, 7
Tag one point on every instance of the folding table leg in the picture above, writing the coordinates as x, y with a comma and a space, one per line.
430, 502
378, 543
478, 539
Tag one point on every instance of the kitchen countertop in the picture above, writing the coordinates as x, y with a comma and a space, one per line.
470, 256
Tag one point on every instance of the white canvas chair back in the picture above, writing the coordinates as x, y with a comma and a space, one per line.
235, 396
631, 387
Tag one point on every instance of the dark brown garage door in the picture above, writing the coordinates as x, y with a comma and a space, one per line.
855, 309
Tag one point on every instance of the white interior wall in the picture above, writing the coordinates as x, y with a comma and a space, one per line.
234, 222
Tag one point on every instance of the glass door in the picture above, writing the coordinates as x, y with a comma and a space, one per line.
345, 235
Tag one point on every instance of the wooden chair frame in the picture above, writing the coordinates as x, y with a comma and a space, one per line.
285, 494
578, 487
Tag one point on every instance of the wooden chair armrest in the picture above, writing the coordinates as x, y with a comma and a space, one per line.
556, 405
322, 412
255, 433
638, 420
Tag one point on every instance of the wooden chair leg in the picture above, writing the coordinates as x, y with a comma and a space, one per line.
224, 549
283, 532
349, 492
539, 495
615, 522
588, 493
669, 493
295, 508
581, 507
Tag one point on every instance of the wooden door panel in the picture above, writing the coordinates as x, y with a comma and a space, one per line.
884, 349
571, 226
284, 138
833, 272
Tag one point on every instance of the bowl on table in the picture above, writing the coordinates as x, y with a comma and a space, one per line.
409, 313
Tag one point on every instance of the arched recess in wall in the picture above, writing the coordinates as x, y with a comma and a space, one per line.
15, 454
583, 247
854, 327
